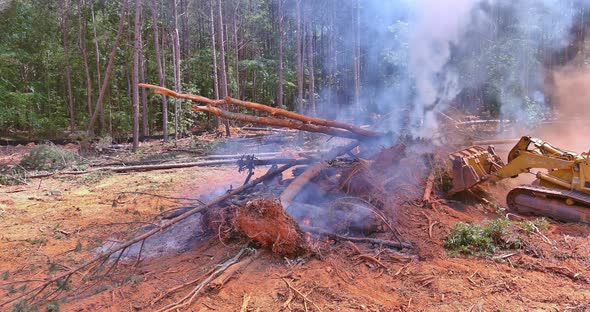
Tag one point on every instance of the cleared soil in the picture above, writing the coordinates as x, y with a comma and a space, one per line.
54, 223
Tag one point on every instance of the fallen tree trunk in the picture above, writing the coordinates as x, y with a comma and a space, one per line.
300, 181
299, 117
297, 185
305, 120
278, 122
257, 162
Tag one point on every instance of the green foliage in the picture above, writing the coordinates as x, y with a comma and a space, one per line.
52, 306
478, 240
540, 224
23, 306
49, 157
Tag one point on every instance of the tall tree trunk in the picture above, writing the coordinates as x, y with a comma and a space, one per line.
65, 28
144, 107
98, 76
135, 75
299, 59
310, 37
160, 69
177, 82
103, 88
236, 50
82, 46
214, 53
281, 18
223, 86
357, 60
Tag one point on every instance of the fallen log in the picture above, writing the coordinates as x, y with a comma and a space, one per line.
265, 108
119, 169
300, 181
334, 236
278, 122
302, 118
37, 290
297, 185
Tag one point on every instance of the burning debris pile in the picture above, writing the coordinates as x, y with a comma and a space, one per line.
309, 203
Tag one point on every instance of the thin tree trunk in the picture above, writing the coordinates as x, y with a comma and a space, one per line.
214, 53
160, 69
224, 91
281, 18
82, 45
98, 106
357, 60
65, 26
144, 106
310, 61
236, 49
98, 79
135, 75
177, 82
299, 59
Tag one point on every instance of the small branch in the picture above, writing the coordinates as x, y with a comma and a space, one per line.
304, 297
376, 241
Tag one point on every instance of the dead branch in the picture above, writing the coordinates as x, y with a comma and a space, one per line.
188, 299
229, 273
33, 292
304, 297
373, 259
277, 122
302, 118
369, 240
428, 189
297, 185
265, 108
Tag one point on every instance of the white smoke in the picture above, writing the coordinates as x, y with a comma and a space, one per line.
438, 26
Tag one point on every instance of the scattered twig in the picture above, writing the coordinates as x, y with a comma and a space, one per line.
245, 303
305, 299
188, 299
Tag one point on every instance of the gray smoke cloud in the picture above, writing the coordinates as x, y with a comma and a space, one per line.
419, 55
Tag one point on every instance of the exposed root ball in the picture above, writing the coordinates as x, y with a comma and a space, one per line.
265, 221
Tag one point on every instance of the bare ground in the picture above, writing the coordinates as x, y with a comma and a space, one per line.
52, 224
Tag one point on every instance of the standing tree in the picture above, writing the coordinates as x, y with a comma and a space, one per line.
82, 46
68, 73
222, 60
107, 75
176, 57
160, 69
281, 18
310, 38
135, 75
299, 47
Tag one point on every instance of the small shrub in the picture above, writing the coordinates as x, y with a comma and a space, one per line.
49, 157
540, 223
478, 240
23, 306
469, 239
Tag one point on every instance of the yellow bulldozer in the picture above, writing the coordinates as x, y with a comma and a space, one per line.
561, 190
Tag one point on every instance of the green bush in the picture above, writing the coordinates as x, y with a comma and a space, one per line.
49, 157
475, 239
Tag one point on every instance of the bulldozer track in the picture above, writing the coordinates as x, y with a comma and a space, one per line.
539, 200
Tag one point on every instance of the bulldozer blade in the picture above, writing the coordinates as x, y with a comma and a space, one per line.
472, 166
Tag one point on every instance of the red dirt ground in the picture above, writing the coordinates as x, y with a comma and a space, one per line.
43, 222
